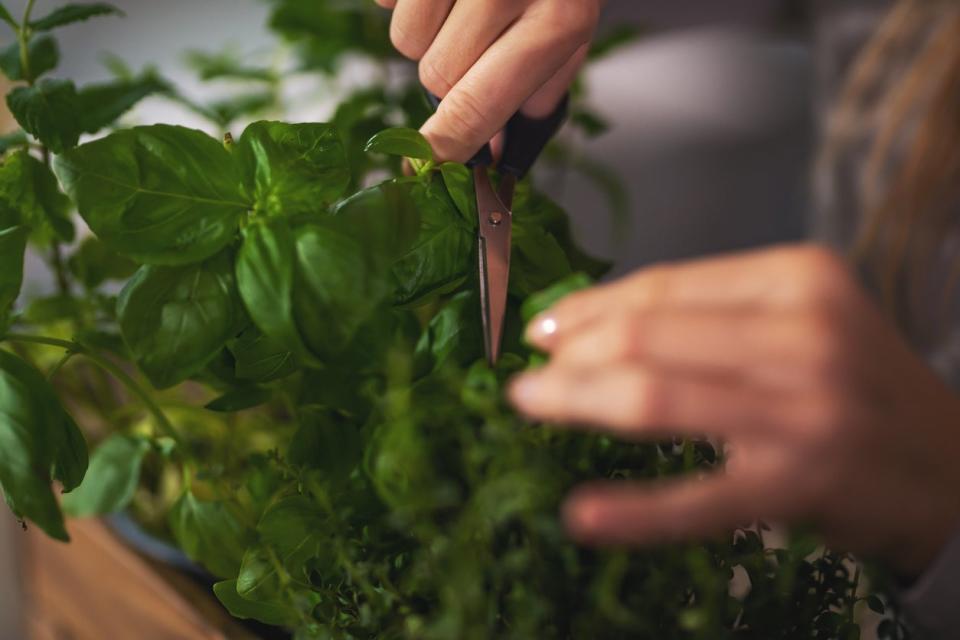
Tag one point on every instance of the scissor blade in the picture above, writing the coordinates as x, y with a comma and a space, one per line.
495, 221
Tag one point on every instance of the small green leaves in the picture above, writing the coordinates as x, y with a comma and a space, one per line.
209, 534
39, 442
13, 243
176, 319
73, 12
43, 54
408, 143
111, 479
28, 188
293, 168
160, 195
48, 111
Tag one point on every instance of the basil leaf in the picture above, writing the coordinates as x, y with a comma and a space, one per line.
265, 277
261, 359
442, 254
292, 168
400, 141
454, 333
48, 112
73, 12
272, 613
28, 187
537, 260
13, 243
111, 479
213, 66
343, 270
160, 195
43, 52
459, 182
177, 319
38, 443
209, 534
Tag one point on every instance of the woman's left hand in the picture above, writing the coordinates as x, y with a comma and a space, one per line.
828, 416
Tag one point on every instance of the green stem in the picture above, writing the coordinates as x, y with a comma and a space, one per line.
23, 37
74, 347
56, 368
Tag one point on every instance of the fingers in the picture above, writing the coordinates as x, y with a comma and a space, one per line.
774, 278
642, 403
469, 30
628, 514
416, 23
542, 103
511, 70
755, 346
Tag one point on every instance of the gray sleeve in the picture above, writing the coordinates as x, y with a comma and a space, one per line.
933, 602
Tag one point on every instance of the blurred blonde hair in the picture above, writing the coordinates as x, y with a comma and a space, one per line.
904, 88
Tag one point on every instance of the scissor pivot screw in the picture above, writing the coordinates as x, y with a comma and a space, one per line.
496, 218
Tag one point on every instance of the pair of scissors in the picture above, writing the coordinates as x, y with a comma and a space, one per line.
524, 140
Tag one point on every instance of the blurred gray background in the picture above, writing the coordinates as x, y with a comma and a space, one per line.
711, 128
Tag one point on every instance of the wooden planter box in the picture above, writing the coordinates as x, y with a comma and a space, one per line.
96, 588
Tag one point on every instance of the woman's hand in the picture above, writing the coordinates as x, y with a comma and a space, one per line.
828, 416
489, 58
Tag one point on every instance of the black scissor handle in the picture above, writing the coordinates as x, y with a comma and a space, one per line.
526, 138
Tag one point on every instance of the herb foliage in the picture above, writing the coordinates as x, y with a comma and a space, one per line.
310, 418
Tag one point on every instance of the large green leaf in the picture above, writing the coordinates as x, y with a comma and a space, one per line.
209, 534
442, 255
258, 358
73, 12
38, 443
28, 187
13, 243
111, 480
274, 613
344, 265
453, 334
400, 141
48, 111
293, 168
265, 278
160, 195
42, 51
177, 319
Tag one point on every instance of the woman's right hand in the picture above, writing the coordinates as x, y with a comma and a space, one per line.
488, 59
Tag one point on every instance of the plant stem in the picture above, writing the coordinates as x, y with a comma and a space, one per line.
56, 262
74, 347
23, 37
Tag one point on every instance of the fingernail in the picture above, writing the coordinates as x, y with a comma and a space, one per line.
542, 330
525, 389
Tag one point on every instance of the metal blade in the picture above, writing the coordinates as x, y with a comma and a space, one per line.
495, 222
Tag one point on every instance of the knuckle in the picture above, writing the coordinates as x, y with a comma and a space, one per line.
624, 339
821, 274
465, 118
650, 403
405, 41
571, 20
433, 77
